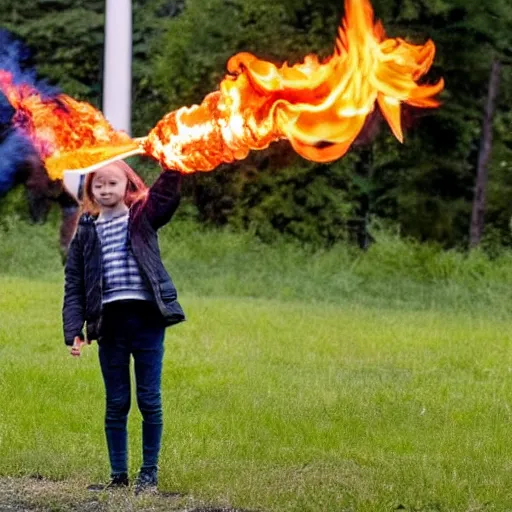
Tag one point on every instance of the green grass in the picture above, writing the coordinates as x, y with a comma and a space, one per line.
303, 380
208, 263
282, 404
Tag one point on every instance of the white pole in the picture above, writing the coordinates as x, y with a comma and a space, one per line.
117, 75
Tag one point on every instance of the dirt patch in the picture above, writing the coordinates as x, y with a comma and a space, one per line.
36, 494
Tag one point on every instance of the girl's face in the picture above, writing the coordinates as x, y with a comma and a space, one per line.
109, 187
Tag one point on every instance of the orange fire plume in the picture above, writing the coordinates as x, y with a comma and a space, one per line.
320, 107
59, 126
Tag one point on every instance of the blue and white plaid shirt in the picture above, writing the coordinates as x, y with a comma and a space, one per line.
121, 275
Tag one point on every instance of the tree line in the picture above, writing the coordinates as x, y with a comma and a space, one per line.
449, 183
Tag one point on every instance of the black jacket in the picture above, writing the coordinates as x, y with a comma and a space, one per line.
83, 271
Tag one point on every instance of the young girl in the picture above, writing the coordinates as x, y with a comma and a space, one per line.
116, 284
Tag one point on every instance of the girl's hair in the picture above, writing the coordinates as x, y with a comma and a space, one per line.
135, 189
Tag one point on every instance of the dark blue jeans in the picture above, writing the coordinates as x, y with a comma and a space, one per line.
132, 328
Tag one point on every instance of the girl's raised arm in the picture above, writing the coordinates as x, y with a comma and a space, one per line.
163, 198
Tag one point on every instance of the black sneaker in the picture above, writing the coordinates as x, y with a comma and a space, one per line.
146, 481
116, 482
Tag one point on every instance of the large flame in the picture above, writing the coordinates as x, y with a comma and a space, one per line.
320, 107
71, 133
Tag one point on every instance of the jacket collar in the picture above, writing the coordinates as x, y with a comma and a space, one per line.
87, 219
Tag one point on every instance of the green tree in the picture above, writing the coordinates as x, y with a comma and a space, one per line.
66, 38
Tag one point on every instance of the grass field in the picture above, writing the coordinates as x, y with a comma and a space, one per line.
302, 381
282, 405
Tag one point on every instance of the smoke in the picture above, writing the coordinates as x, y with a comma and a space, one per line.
16, 151
15, 58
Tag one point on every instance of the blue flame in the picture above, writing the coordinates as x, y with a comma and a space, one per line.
15, 153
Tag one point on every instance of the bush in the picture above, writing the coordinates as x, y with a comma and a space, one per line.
394, 272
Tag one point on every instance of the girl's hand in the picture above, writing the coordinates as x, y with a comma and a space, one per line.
77, 346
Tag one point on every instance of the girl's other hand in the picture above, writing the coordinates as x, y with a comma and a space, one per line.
77, 346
